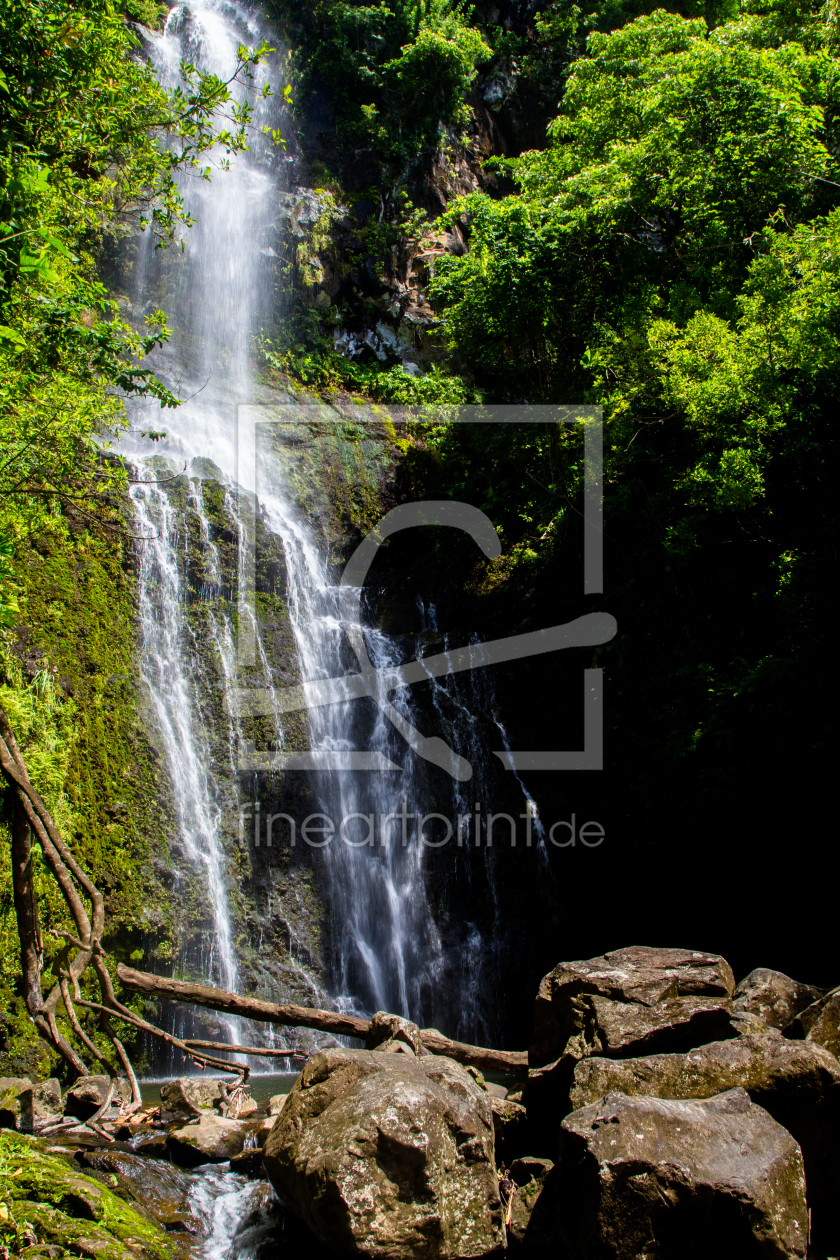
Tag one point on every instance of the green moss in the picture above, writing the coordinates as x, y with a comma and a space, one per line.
73, 694
61, 1206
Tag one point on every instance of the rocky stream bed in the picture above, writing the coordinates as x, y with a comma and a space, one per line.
667, 1113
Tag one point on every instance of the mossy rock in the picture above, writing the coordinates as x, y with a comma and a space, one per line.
63, 1207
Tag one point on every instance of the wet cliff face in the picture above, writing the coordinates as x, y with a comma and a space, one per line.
228, 866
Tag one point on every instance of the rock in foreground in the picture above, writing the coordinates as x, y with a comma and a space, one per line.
630, 1002
390, 1156
209, 1139
668, 1180
797, 1082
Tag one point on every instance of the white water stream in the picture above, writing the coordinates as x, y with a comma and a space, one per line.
387, 951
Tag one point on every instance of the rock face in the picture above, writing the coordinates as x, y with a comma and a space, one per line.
797, 1082
654, 1178
630, 1002
389, 1156
772, 997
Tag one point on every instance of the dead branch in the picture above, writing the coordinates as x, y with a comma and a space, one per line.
275, 1052
307, 1017
197, 1056
32, 819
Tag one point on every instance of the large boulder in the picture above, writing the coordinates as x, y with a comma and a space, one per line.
189, 1096
195, 1096
630, 1002
797, 1082
679, 1180
772, 998
389, 1155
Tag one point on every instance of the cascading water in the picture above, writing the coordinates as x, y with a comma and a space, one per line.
213, 298
166, 672
388, 947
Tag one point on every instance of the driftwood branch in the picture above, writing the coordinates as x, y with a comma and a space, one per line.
308, 1017
274, 1052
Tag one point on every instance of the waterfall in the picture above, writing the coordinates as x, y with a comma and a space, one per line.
214, 290
393, 945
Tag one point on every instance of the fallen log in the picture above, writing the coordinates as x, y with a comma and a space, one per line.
341, 1025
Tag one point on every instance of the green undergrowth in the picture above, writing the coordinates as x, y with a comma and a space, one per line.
330, 373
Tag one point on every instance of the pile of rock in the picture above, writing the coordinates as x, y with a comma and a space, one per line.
668, 1114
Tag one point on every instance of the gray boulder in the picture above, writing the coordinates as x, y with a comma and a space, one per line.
40, 1103
797, 1082
772, 997
206, 1140
87, 1095
388, 1155
189, 1096
629, 1002
47, 1103
679, 1180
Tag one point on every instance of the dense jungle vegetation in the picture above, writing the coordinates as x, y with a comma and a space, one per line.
669, 251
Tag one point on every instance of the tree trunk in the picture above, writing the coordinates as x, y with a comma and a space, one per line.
307, 1017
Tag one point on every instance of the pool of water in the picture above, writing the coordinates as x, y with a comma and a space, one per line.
262, 1086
